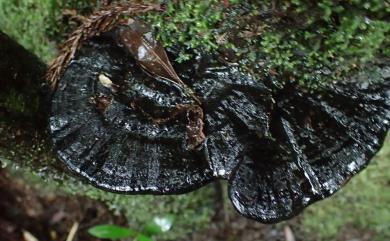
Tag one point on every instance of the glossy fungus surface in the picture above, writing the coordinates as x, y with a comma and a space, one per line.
127, 130
315, 143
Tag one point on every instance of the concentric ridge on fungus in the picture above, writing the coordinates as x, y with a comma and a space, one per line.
279, 151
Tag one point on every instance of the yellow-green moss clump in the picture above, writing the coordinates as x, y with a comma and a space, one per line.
310, 41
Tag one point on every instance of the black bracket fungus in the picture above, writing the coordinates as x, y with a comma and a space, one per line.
125, 148
131, 126
315, 144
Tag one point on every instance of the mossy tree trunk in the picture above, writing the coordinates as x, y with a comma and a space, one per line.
24, 107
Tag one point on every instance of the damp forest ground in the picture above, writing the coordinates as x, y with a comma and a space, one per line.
294, 40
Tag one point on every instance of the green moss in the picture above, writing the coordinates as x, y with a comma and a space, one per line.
27, 21
315, 42
39, 24
194, 24
13, 101
363, 204
311, 42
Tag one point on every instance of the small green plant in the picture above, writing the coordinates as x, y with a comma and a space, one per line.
157, 226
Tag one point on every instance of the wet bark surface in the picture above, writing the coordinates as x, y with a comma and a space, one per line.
24, 109
22, 73
280, 150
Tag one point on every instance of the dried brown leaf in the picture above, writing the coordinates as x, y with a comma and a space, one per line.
147, 51
101, 21
103, 103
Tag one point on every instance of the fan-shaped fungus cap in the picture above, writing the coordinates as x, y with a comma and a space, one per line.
315, 143
127, 130
111, 123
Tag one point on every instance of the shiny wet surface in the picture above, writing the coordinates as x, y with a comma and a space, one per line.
280, 151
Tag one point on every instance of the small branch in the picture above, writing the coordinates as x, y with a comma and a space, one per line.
73, 232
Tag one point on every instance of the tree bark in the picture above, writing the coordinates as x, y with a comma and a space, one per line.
24, 106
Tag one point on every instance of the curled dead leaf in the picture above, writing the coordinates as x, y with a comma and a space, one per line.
146, 50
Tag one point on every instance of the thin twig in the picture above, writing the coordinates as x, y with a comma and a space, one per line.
27, 236
288, 233
73, 232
